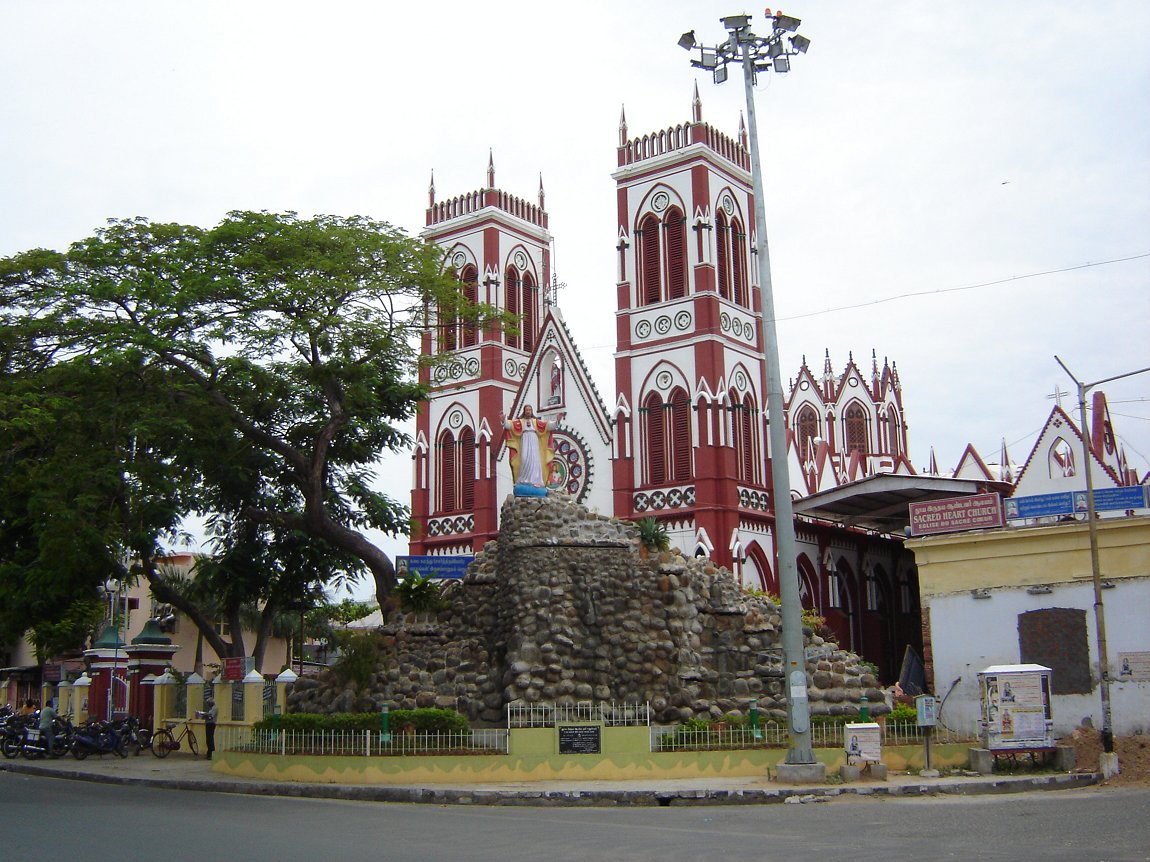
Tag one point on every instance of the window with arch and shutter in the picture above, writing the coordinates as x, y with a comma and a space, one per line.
745, 439
855, 420
667, 435
649, 282
512, 291
893, 430
739, 287
470, 285
456, 474
675, 228
723, 254
530, 322
807, 429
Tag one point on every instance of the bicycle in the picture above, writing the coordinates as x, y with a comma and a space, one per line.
164, 742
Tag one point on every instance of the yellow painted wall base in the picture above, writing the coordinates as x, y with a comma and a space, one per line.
516, 769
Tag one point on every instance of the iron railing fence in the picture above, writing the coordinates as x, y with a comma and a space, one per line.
610, 714
372, 743
771, 735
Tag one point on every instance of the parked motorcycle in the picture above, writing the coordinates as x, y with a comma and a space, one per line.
12, 735
27, 740
136, 737
97, 737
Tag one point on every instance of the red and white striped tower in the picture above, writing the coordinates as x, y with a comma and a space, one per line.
498, 246
690, 376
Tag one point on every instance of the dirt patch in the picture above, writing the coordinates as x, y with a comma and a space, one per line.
1133, 755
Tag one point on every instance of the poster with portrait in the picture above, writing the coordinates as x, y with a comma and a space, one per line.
1132, 667
1015, 708
862, 743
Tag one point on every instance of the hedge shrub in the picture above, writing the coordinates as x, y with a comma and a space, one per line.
420, 720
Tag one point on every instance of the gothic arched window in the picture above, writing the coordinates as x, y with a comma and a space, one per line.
530, 323
512, 290
662, 253
807, 429
456, 473
857, 437
447, 327
649, 287
676, 238
723, 254
744, 437
894, 432
470, 286
1061, 460
667, 438
739, 265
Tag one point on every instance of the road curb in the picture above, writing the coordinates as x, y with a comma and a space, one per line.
639, 797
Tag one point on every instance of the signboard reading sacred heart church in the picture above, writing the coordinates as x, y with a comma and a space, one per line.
976, 512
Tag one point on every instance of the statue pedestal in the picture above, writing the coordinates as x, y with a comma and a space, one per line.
801, 773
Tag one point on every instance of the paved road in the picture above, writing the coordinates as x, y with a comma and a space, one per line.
78, 820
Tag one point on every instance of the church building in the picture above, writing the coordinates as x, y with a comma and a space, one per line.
683, 436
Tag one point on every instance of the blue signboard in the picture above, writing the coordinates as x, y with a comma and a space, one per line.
1039, 506
1110, 499
1074, 502
434, 566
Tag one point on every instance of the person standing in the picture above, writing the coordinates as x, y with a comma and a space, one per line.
210, 727
48, 728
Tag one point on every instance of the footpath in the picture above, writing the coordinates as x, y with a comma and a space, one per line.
184, 772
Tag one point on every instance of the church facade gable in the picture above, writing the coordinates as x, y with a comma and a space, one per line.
1055, 463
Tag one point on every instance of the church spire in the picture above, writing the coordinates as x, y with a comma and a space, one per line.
742, 132
1005, 472
696, 106
431, 190
622, 126
490, 169
541, 196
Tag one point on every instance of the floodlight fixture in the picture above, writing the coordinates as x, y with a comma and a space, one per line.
800, 43
687, 40
775, 49
708, 58
786, 22
736, 22
782, 64
720, 74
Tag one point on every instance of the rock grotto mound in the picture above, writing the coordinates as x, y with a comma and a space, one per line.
562, 608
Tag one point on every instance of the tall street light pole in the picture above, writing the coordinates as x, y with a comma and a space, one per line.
1095, 568
763, 54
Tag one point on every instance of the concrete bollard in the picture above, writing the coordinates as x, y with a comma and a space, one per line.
981, 761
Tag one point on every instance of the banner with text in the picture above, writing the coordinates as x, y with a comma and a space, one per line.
453, 567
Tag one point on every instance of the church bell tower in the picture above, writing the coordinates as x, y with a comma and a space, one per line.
498, 247
690, 420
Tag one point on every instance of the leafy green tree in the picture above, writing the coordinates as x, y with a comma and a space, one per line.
252, 372
70, 632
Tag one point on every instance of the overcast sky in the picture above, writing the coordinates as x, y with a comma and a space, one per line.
963, 188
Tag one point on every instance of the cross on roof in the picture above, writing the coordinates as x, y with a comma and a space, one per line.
551, 297
1057, 395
